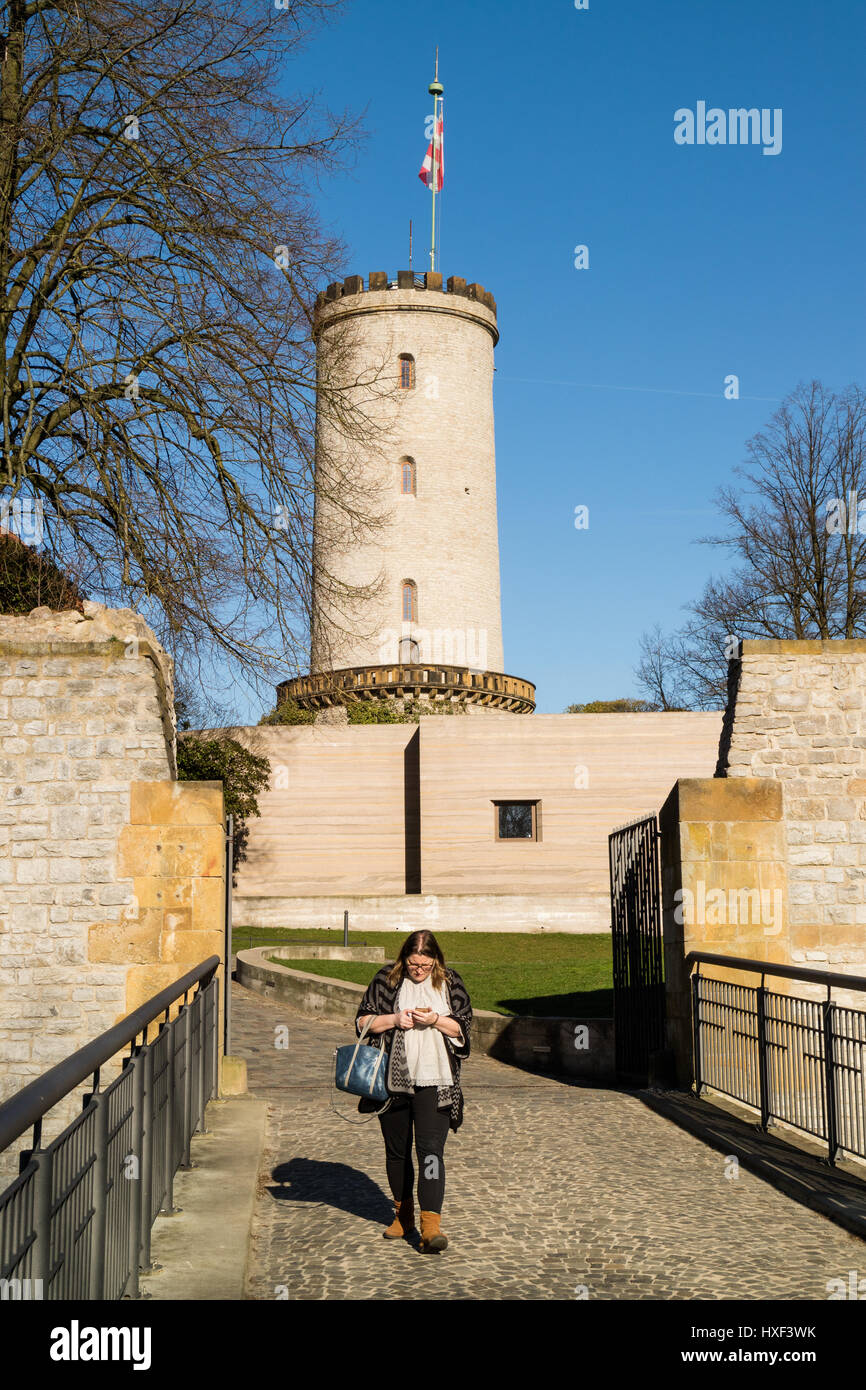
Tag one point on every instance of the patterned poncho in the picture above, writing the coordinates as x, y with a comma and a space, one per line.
381, 998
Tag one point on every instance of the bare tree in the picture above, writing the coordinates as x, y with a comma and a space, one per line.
158, 257
798, 533
658, 672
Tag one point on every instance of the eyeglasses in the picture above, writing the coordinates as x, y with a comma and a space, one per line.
421, 964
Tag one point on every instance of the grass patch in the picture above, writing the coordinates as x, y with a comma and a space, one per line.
554, 973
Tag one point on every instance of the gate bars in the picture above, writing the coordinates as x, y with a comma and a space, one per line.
638, 973
801, 1061
76, 1222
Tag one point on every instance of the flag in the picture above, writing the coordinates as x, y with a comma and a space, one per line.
437, 146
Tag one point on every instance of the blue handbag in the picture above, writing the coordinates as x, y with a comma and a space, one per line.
362, 1069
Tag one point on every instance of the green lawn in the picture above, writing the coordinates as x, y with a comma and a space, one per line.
549, 973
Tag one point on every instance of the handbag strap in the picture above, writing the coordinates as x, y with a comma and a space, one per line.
348, 1118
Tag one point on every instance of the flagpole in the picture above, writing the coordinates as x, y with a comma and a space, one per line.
435, 89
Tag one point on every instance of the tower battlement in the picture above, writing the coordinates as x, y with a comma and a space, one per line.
377, 280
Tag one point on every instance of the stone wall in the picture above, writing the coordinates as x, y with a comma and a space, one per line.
173, 850
799, 719
768, 859
111, 873
724, 888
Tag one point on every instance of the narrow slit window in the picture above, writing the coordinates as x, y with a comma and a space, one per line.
407, 371
408, 477
410, 601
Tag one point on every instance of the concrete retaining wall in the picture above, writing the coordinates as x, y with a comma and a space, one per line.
304, 952
506, 912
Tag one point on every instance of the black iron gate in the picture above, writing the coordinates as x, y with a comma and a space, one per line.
638, 975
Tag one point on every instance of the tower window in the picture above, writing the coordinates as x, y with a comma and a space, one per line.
410, 601
407, 371
407, 476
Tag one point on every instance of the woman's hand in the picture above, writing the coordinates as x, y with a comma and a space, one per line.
405, 1019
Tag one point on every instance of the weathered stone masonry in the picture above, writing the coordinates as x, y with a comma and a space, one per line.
111, 872
800, 719
782, 826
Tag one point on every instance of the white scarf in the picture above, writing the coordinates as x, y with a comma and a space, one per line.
426, 1054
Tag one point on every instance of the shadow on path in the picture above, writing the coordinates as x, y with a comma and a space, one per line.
334, 1184
804, 1176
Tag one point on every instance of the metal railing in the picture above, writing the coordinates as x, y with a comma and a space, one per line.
76, 1221
799, 1061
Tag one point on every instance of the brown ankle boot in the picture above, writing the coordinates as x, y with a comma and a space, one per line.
432, 1238
404, 1220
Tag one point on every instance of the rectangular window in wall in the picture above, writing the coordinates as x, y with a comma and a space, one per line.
517, 820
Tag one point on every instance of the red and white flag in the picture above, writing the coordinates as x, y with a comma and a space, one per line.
435, 152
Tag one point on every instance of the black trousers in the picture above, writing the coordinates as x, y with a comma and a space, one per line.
431, 1131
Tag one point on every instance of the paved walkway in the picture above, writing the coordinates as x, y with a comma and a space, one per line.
553, 1191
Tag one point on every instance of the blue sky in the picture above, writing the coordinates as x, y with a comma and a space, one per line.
704, 261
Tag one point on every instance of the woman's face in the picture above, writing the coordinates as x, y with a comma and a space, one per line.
419, 966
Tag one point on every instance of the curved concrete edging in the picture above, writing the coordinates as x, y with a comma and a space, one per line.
541, 1044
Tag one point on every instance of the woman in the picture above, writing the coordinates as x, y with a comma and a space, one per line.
421, 1011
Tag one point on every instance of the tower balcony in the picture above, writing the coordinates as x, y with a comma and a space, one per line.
412, 680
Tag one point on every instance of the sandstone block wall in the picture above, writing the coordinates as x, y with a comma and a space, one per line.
173, 850
768, 859
799, 719
724, 888
111, 872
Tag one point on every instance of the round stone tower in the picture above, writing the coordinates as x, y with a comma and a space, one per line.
406, 551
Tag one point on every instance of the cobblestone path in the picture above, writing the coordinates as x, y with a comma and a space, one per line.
553, 1191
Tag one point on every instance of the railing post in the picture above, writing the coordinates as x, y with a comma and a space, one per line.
696, 1030
136, 1062
146, 1193
168, 1207
215, 1084
42, 1219
830, 1082
762, 1055
201, 1001
187, 1085
227, 967
100, 1194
